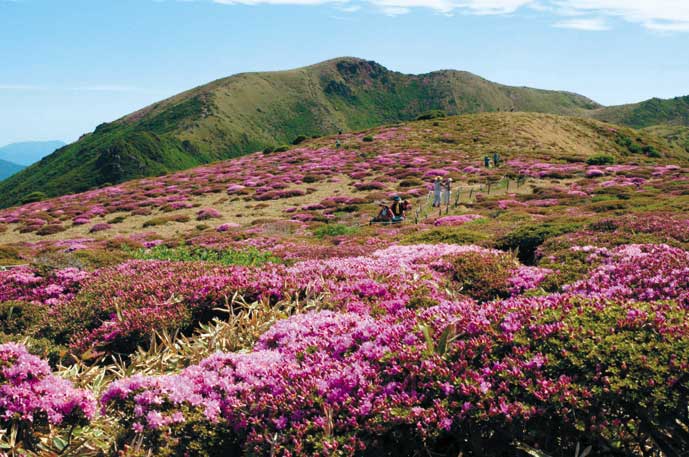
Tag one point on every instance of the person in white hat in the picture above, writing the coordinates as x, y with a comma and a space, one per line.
437, 188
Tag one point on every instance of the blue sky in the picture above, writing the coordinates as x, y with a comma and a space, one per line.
68, 65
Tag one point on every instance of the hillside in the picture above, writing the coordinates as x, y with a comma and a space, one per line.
647, 113
368, 166
251, 111
7, 169
28, 152
674, 134
248, 307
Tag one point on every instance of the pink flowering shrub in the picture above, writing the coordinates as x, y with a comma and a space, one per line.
443, 379
640, 273
32, 399
456, 220
100, 227
208, 213
24, 284
118, 307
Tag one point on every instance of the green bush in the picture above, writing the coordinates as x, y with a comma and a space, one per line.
483, 277
433, 114
282, 148
450, 235
299, 140
368, 139
246, 257
269, 150
600, 159
50, 229
17, 318
652, 152
334, 230
34, 197
526, 239
117, 220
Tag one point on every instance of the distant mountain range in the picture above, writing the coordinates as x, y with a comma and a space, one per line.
251, 111
28, 152
7, 169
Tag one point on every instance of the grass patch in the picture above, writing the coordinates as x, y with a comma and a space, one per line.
249, 257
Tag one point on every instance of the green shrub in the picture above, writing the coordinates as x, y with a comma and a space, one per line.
282, 148
269, 150
526, 239
600, 159
483, 277
33, 197
50, 229
368, 139
652, 152
299, 140
334, 230
433, 114
450, 235
117, 220
9, 255
18, 317
246, 257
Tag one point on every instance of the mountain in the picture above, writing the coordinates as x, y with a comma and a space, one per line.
7, 169
250, 111
647, 113
28, 152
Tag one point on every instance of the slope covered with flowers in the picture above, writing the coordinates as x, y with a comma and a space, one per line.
247, 307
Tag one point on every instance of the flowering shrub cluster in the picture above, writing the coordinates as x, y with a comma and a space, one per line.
447, 377
456, 220
32, 398
639, 272
24, 284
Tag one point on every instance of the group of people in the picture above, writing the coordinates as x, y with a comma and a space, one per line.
394, 213
442, 190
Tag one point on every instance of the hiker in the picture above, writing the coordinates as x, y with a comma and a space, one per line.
486, 161
437, 187
398, 208
447, 191
384, 215
496, 159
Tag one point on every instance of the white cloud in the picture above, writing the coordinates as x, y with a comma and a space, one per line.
592, 24
670, 15
661, 15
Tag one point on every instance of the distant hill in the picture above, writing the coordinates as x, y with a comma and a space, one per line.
252, 111
648, 113
28, 152
7, 169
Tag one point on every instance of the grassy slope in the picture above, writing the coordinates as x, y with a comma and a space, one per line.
549, 138
676, 135
648, 113
7, 169
247, 112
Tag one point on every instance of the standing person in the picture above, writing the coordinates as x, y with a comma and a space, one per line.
447, 191
437, 187
496, 159
486, 161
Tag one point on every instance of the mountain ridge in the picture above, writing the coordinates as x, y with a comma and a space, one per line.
247, 112
28, 152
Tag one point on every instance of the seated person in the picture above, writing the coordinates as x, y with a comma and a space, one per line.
398, 209
384, 215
